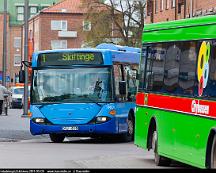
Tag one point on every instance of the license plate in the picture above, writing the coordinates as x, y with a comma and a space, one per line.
74, 128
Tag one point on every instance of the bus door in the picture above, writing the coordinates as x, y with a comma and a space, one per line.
159, 79
125, 101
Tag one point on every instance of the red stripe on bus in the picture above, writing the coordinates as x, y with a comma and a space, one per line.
140, 98
185, 105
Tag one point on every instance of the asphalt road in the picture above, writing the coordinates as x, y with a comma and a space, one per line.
19, 149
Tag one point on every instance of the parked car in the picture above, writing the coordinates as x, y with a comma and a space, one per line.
16, 96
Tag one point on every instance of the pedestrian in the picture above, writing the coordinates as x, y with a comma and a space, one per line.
3, 91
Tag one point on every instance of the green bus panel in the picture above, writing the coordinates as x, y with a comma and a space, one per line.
181, 34
181, 30
181, 137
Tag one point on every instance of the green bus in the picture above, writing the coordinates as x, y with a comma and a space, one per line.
176, 100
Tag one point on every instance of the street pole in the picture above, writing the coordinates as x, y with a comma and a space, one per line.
4, 59
25, 107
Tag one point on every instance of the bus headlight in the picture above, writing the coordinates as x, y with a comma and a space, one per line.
39, 120
102, 119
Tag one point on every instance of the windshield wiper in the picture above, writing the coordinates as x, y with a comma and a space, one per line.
86, 96
67, 96
51, 99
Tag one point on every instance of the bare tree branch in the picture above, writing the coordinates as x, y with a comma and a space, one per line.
122, 19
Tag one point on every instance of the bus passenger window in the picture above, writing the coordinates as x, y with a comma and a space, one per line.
155, 67
118, 78
187, 71
171, 68
131, 81
210, 91
142, 68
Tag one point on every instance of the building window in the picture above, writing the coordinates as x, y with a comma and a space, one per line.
20, 13
17, 42
173, 3
59, 25
156, 6
58, 44
17, 60
33, 11
149, 7
86, 26
167, 4
162, 5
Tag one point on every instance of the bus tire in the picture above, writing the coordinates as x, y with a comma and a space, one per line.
159, 160
213, 154
129, 136
57, 138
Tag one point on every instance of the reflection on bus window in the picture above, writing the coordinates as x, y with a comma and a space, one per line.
72, 85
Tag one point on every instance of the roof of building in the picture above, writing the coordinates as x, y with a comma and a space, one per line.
70, 6
66, 6
73, 7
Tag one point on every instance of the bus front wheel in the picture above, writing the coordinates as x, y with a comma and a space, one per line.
57, 138
159, 160
129, 136
213, 153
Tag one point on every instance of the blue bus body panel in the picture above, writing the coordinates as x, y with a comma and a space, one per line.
132, 58
104, 128
80, 113
61, 116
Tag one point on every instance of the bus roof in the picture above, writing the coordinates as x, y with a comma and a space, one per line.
115, 47
122, 53
131, 55
181, 30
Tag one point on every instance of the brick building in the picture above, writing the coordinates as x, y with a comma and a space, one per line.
15, 10
167, 10
59, 26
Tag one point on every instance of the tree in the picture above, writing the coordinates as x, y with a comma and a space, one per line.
118, 21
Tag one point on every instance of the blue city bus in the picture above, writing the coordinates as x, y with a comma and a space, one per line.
84, 92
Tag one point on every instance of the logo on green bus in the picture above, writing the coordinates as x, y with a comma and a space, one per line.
203, 66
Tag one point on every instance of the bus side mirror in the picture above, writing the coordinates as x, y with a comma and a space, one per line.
122, 87
21, 76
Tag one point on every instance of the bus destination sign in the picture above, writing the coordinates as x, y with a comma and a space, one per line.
70, 58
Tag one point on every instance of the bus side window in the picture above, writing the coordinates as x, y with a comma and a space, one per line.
210, 91
118, 78
141, 67
171, 67
187, 70
155, 67
131, 82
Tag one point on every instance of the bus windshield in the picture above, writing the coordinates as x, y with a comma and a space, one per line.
77, 85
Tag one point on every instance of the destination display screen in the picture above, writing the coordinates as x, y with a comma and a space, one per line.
70, 58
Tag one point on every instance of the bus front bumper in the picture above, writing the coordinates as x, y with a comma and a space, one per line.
110, 127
